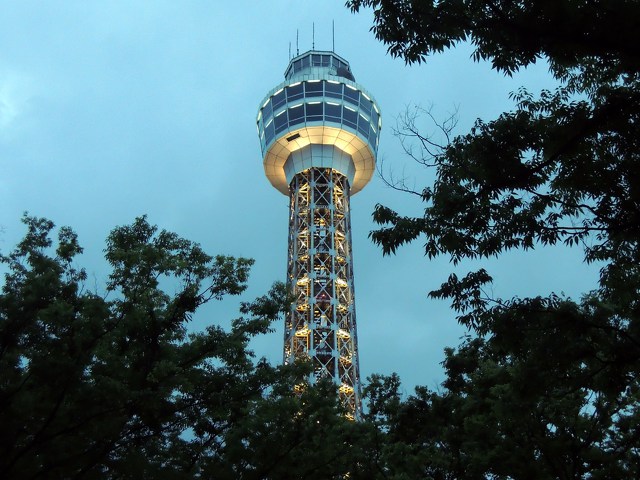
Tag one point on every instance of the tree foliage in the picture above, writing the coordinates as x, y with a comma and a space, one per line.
548, 388
116, 387
551, 393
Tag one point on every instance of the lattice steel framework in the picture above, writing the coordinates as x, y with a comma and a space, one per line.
321, 324
319, 133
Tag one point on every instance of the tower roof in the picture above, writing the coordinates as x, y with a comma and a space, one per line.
316, 62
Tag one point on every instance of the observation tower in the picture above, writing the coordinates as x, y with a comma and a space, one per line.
319, 133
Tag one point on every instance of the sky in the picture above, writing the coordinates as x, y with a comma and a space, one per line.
111, 109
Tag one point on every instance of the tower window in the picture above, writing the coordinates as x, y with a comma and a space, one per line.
269, 132
351, 95
267, 111
281, 121
334, 89
363, 125
278, 99
314, 111
294, 92
365, 105
313, 89
333, 111
350, 117
296, 115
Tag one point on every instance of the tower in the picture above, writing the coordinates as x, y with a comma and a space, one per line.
319, 133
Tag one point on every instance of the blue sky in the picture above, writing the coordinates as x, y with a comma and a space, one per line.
110, 110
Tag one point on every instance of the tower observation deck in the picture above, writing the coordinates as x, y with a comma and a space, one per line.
319, 133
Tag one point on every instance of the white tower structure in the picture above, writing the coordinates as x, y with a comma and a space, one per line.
319, 133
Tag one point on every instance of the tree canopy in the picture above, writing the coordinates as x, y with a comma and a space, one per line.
115, 386
547, 387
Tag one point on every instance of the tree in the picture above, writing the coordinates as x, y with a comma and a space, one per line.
550, 393
298, 437
92, 387
550, 381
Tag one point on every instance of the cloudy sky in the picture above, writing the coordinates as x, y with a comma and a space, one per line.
113, 109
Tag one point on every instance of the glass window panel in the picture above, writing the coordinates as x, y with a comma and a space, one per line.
316, 59
333, 89
350, 117
280, 121
269, 132
372, 136
294, 92
267, 111
333, 112
278, 100
314, 111
313, 89
325, 60
374, 117
296, 115
351, 95
305, 62
365, 105
363, 125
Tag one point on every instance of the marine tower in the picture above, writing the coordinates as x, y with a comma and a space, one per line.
319, 133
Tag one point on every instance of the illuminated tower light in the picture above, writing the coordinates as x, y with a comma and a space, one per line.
319, 133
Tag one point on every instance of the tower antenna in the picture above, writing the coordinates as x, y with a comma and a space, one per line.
333, 36
297, 48
289, 50
313, 36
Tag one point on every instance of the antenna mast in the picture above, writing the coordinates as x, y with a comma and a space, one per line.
297, 49
333, 36
313, 36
